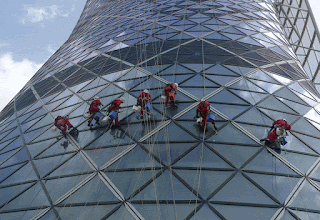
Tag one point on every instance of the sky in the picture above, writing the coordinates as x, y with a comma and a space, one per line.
32, 30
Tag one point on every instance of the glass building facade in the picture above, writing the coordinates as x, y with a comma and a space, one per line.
251, 59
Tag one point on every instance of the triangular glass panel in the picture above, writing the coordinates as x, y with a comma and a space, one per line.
236, 154
5, 155
199, 81
49, 163
200, 92
222, 80
252, 97
175, 69
254, 116
204, 182
85, 212
121, 213
266, 162
197, 67
151, 83
169, 186
309, 196
311, 141
136, 158
303, 126
58, 187
103, 155
231, 110
305, 214
176, 78
94, 83
270, 87
110, 90
201, 156
5, 172
234, 136
23, 215
132, 75
220, 70
296, 145
154, 69
278, 186
301, 109
259, 75
87, 137
248, 40
75, 165
231, 212
275, 115
215, 36
62, 146
274, 104
247, 193
168, 152
287, 94
33, 197
24, 174
205, 213
19, 157
170, 133
93, 191
287, 216
246, 85
112, 76
239, 69
129, 182
227, 97
257, 131
8, 193
301, 161
166, 211
197, 130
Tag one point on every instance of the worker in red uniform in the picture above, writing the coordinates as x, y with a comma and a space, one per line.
62, 123
170, 92
203, 110
279, 129
93, 109
142, 100
115, 106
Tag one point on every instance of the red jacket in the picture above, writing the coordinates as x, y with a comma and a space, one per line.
144, 98
273, 135
283, 123
62, 121
169, 88
202, 105
94, 106
115, 105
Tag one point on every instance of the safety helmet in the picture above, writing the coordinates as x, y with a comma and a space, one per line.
203, 100
96, 98
284, 119
53, 129
176, 84
146, 91
122, 99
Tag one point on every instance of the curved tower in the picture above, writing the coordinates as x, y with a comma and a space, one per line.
234, 53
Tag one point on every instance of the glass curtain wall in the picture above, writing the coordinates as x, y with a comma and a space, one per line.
233, 53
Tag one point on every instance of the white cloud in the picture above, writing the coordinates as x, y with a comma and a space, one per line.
13, 76
38, 14
49, 48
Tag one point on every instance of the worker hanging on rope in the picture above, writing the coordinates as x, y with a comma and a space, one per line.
204, 115
94, 111
113, 110
62, 123
277, 136
169, 93
144, 103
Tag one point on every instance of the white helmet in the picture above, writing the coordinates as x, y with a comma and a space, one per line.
122, 99
176, 84
96, 98
54, 129
203, 100
284, 119
146, 91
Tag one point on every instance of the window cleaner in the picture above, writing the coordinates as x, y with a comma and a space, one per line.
169, 93
113, 111
144, 101
94, 111
277, 136
62, 123
204, 115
